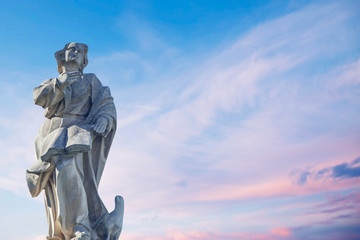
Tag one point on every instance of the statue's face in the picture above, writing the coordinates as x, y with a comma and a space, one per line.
74, 53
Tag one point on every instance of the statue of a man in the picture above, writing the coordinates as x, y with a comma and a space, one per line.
71, 148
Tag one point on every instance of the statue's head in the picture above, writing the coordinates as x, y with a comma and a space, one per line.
72, 52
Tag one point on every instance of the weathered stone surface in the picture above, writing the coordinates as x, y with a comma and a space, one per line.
72, 148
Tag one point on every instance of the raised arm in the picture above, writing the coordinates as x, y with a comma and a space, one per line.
52, 91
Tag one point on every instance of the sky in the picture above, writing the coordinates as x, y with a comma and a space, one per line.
236, 119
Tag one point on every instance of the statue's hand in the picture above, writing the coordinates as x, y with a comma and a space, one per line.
100, 125
69, 77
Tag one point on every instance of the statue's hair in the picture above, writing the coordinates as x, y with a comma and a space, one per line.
60, 56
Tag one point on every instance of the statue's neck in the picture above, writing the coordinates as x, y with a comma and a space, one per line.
71, 66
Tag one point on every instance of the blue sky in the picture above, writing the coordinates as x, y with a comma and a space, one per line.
236, 119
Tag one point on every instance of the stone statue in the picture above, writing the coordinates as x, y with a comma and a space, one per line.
71, 149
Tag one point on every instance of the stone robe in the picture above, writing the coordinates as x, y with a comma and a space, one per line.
70, 157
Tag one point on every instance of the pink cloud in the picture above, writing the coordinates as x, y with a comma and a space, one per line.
196, 235
339, 207
271, 188
42, 237
281, 231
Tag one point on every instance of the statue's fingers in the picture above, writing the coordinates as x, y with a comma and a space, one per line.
96, 128
100, 129
98, 124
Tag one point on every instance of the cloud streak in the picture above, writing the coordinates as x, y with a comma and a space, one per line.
337, 172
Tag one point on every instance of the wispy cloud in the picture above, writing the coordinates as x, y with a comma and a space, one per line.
277, 233
336, 172
345, 170
237, 123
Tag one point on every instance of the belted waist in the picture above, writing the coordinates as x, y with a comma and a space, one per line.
64, 115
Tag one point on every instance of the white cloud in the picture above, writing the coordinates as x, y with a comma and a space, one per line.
255, 109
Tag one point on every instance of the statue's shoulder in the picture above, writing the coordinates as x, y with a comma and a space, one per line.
89, 75
92, 78
49, 80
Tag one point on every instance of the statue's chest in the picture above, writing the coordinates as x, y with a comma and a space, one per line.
80, 88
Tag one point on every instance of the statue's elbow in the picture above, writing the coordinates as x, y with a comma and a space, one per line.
39, 101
